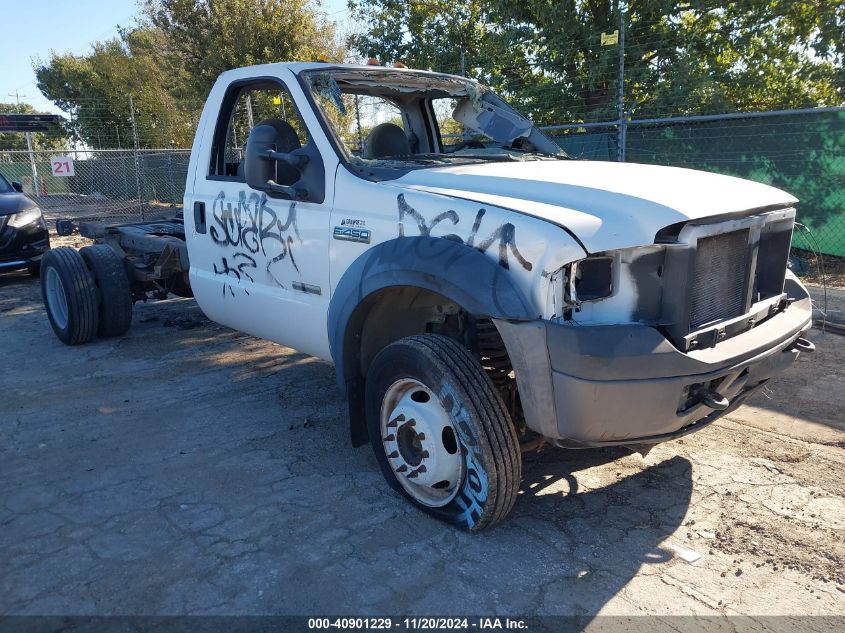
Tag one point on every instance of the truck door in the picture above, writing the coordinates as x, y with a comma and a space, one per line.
259, 261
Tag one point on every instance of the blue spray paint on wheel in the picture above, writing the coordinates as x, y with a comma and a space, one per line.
473, 494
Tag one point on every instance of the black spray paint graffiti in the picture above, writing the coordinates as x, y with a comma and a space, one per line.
251, 227
239, 271
505, 234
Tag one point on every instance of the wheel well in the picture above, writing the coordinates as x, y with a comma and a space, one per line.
399, 311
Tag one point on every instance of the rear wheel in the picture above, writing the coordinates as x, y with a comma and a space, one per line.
115, 300
70, 296
440, 432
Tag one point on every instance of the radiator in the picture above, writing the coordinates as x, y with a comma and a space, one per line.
719, 278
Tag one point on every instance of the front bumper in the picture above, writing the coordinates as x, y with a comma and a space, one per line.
20, 247
627, 384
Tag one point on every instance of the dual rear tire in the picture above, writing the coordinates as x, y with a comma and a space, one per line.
86, 293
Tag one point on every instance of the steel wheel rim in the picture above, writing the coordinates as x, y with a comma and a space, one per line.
56, 298
421, 443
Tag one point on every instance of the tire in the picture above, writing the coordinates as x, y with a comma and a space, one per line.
430, 404
69, 295
115, 296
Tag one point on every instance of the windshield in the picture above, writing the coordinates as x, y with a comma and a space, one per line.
5, 187
388, 118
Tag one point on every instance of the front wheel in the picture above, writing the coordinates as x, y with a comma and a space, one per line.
441, 433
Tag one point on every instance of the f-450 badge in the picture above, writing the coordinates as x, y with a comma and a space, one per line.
352, 234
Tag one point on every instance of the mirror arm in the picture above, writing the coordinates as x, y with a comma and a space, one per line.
294, 193
294, 160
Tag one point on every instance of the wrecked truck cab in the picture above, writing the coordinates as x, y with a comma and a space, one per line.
639, 266
478, 291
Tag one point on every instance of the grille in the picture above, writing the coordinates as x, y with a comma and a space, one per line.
719, 277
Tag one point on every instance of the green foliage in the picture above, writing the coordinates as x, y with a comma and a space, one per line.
207, 37
681, 57
170, 60
53, 139
94, 89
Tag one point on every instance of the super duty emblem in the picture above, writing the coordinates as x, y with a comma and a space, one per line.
352, 234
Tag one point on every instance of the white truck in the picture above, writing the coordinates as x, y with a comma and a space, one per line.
478, 291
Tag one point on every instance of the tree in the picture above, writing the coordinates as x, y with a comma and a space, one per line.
454, 37
207, 37
95, 90
168, 62
681, 57
53, 139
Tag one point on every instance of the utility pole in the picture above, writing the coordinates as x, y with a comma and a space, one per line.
620, 89
249, 119
28, 135
358, 122
137, 158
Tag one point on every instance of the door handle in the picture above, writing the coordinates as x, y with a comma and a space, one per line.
199, 217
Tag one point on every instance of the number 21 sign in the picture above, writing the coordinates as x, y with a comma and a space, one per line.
62, 166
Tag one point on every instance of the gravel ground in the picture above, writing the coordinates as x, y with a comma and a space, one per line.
189, 469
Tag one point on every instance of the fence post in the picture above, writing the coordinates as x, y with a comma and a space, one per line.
36, 190
622, 125
137, 158
170, 175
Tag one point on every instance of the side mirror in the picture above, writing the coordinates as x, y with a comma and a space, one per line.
17, 187
264, 167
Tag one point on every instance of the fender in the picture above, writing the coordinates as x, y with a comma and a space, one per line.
443, 265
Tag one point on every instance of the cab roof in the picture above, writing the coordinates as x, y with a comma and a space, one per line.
300, 67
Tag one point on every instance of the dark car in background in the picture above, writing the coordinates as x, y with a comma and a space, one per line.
23, 232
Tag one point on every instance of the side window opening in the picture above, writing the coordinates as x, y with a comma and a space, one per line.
243, 108
363, 114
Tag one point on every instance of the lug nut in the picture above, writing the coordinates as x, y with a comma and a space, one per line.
416, 473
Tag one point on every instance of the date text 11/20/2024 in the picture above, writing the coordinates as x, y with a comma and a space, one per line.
421, 623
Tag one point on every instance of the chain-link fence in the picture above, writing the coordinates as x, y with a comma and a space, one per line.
102, 185
800, 151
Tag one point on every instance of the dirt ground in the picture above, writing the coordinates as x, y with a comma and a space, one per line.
189, 469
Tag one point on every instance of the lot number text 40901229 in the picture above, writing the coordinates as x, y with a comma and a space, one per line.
421, 623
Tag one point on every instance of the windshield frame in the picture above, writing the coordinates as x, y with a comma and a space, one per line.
400, 168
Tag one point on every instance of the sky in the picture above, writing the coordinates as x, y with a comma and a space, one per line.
33, 29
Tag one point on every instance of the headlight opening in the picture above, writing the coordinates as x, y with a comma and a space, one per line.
591, 279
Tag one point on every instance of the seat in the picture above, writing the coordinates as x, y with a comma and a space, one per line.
287, 140
386, 140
